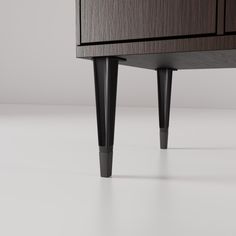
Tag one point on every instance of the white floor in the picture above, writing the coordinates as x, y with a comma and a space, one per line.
50, 184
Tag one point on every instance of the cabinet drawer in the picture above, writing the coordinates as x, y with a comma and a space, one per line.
115, 20
230, 18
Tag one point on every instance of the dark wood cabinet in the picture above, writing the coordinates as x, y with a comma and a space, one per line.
139, 19
230, 17
162, 35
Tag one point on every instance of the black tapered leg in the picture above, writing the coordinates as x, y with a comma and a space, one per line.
164, 99
105, 74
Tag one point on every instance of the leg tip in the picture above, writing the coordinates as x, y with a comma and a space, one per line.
106, 164
163, 138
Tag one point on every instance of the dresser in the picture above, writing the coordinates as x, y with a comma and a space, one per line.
160, 35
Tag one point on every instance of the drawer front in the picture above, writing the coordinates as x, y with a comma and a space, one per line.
114, 20
230, 18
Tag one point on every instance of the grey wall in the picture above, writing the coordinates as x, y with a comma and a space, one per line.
38, 65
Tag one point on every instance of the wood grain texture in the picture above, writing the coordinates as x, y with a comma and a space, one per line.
159, 46
194, 53
113, 20
230, 18
221, 17
182, 52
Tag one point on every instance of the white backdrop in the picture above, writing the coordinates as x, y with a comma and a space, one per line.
38, 65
